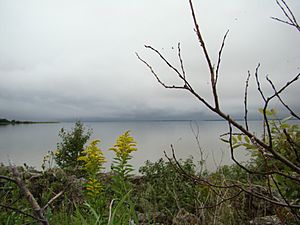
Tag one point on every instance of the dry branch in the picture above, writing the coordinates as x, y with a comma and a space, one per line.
265, 146
37, 210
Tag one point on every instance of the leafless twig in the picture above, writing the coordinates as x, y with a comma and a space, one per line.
288, 14
265, 146
277, 94
19, 211
220, 56
246, 102
181, 60
52, 200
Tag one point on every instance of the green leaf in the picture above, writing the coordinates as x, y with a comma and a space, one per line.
249, 146
286, 119
239, 137
261, 110
236, 146
234, 139
247, 139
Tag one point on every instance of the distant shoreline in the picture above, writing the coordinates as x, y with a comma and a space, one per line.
16, 122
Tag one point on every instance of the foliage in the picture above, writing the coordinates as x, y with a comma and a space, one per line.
285, 139
166, 196
283, 136
93, 158
121, 185
160, 195
71, 147
277, 152
48, 159
125, 144
121, 168
165, 191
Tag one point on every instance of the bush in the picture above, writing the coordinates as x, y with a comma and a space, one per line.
163, 191
71, 147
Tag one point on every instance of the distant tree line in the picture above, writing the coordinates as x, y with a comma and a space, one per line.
7, 122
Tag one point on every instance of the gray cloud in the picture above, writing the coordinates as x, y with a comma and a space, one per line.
70, 59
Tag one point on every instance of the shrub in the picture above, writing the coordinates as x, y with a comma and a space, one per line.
163, 191
70, 148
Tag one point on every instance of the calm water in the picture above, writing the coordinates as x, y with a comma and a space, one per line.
28, 143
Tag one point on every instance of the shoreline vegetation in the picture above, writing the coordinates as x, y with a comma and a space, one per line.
15, 122
73, 188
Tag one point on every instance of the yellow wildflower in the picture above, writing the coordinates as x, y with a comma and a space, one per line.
93, 158
93, 187
125, 144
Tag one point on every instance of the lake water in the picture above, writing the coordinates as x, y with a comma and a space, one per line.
28, 143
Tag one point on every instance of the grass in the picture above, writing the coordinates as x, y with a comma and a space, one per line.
159, 196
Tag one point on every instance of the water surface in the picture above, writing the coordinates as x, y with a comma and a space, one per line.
28, 143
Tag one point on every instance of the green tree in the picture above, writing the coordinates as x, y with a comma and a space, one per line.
71, 147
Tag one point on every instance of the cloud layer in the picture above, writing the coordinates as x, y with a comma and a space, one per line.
64, 60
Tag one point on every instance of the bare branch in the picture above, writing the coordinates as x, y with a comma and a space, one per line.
235, 184
52, 200
286, 85
288, 14
157, 77
276, 93
293, 145
258, 83
205, 51
292, 17
166, 61
245, 101
222, 201
181, 61
282, 21
266, 122
187, 86
196, 135
283, 197
263, 197
265, 147
38, 211
192, 177
231, 151
219, 57
284, 10
19, 211
267, 125
267, 172
8, 178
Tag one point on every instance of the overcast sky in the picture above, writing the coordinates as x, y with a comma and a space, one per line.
75, 59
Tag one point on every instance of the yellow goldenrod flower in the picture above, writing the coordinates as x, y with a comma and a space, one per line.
93, 158
125, 144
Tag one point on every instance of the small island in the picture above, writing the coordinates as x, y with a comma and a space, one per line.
14, 122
